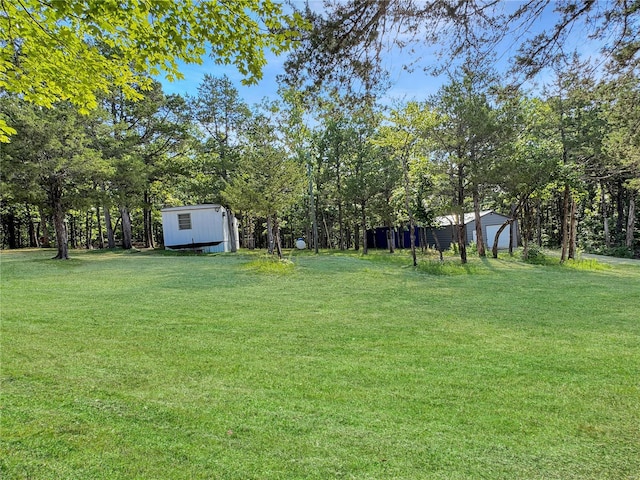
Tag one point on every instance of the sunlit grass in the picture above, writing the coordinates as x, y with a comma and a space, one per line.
152, 365
587, 264
270, 265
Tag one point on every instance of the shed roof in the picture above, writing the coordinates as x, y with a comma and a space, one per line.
202, 206
468, 217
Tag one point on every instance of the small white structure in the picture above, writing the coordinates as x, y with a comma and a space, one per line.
206, 228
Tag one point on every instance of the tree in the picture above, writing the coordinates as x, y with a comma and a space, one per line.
466, 138
297, 137
579, 129
365, 167
221, 115
528, 163
622, 143
347, 38
144, 141
267, 181
72, 49
53, 154
405, 136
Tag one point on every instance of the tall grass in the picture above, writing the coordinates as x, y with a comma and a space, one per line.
144, 365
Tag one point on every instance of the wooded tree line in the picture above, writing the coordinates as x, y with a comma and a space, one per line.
566, 163
97, 148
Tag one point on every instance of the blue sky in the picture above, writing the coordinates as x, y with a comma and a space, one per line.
405, 85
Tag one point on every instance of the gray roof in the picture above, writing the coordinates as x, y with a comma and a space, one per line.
468, 218
202, 206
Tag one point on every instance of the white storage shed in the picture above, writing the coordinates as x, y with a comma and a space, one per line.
206, 228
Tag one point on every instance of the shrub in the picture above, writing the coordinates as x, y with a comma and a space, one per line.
534, 255
619, 251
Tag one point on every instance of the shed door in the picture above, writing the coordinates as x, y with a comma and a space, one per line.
503, 241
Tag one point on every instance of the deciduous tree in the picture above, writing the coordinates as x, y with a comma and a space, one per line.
74, 49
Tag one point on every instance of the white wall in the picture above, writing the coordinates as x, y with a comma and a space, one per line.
207, 226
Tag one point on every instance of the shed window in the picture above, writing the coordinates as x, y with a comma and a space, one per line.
184, 221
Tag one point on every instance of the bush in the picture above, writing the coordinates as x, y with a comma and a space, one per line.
620, 252
535, 255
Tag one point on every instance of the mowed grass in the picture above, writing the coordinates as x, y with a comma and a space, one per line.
154, 366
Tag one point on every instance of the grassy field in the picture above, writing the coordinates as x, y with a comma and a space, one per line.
155, 366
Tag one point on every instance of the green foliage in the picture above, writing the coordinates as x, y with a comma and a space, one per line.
222, 118
472, 248
267, 181
537, 256
5, 131
72, 50
619, 251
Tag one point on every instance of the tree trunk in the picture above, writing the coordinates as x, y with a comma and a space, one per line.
88, 227
462, 239
566, 213
573, 230
479, 235
148, 222
232, 232
631, 221
126, 228
391, 238
270, 239
407, 205
494, 249
438, 246
340, 226
356, 236
605, 216
620, 207
514, 215
99, 224
326, 229
9, 221
33, 238
462, 231
538, 224
312, 209
72, 230
511, 245
363, 225
250, 232
526, 228
62, 238
44, 229
339, 191
276, 236
111, 239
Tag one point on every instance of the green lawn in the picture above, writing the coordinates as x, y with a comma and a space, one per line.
157, 366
